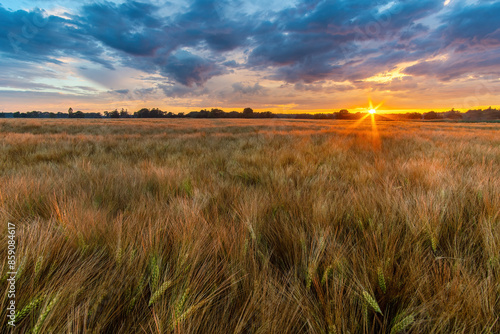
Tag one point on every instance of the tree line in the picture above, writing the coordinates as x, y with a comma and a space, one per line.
472, 115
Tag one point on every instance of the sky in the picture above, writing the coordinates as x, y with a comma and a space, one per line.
282, 56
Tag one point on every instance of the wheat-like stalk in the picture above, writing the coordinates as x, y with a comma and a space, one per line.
27, 309
20, 269
38, 266
160, 292
180, 304
44, 315
309, 275
381, 279
133, 254
372, 302
155, 272
327, 274
137, 292
119, 252
82, 244
403, 324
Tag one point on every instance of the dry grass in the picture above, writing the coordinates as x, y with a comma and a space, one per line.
252, 226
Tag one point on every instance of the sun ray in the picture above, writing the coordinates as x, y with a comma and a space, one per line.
375, 135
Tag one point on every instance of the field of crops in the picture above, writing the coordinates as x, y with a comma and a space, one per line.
251, 226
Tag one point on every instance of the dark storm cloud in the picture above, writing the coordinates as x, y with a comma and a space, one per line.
189, 69
311, 41
130, 27
471, 25
34, 36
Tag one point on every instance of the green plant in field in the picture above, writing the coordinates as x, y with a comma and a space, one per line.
370, 301
402, 324
137, 292
161, 290
33, 304
327, 274
154, 269
187, 187
38, 267
381, 279
44, 314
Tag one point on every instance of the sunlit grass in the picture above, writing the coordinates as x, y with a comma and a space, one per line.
245, 226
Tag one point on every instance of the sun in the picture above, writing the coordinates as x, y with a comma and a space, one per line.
372, 110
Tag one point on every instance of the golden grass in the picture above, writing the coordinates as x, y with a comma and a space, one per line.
252, 226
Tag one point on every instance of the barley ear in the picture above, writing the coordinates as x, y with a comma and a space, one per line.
381, 280
27, 309
155, 272
403, 324
44, 315
372, 302
160, 292
38, 267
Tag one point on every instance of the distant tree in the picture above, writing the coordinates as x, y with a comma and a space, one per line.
453, 114
216, 113
70, 111
343, 113
431, 115
247, 112
112, 114
413, 115
124, 113
79, 114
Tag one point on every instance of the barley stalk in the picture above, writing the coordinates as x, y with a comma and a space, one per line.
403, 324
155, 272
372, 302
38, 266
381, 279
159, 293
44, 315
27, 309
180, 304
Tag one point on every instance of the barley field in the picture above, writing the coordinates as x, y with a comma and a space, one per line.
251, 226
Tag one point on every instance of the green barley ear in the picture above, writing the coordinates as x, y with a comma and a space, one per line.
159, 293
133, 254
183, 316
309, 276
155, 272
119, 253
81, 243
4, 277
44, 315
433, 243
38, 267
137, 292
403, 324
381, 279
433, 240
365, 312
327, 274
20, 315
371, 301
245, 247
20, 269
180, 304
